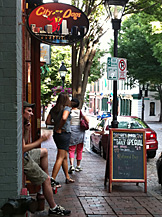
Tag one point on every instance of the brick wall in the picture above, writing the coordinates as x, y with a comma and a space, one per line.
10, 99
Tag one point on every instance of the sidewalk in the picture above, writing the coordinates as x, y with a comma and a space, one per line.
89, 197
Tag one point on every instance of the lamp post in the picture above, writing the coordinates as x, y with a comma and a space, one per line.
115, 9
62, 71
143, 92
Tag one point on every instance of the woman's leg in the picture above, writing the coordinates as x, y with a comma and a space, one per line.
79, 153
59, 162
71, 154
65, 168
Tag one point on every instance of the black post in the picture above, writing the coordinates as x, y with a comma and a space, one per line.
63, 79
143, 107
116, 26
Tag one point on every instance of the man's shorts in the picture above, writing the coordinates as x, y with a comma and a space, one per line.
33, 171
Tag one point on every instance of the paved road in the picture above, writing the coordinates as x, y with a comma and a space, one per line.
152, 179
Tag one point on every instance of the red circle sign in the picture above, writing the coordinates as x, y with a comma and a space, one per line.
122, 65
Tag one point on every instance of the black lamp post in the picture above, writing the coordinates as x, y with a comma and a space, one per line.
115, 9
62, 71
143, 92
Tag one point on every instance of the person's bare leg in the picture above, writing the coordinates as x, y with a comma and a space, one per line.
65, 165
58, 163
78, 163
48, 193
65, 168
44, 159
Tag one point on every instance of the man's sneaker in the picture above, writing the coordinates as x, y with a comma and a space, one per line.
71, 169
59, 210
78, 169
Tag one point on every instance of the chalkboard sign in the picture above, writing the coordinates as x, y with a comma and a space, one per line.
127, 157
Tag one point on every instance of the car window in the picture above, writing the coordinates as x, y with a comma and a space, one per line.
131, 123
140, 123
123, 125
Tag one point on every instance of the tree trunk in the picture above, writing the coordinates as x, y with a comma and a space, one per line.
80, 69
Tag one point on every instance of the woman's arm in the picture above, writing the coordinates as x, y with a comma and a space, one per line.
49, 120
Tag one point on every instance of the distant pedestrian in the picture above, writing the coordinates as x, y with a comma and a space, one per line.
77, 137
60, 114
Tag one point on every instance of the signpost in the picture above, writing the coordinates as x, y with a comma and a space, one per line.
127, 157
116, 68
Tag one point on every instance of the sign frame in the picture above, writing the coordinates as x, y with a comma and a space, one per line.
144, 166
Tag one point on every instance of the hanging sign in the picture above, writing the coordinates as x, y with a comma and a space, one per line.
57, 23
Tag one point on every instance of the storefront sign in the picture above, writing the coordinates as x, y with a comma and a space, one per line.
57, 23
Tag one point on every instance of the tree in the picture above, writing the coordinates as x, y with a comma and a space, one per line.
137, 45
50, 74
83, 53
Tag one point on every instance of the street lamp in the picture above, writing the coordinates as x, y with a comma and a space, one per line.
62, 71
115, 9
143, 92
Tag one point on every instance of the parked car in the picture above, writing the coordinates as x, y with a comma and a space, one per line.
100, 134
104, 115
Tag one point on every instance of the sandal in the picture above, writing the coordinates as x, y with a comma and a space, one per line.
68, 181
55, 183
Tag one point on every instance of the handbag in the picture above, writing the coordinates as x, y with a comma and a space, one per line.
84, 125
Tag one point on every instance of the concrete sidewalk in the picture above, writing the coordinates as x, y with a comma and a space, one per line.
89, 197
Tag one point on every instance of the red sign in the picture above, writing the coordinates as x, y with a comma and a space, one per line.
122, 65
57, 23
122, 69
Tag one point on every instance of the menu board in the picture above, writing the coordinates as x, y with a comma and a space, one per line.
127, 157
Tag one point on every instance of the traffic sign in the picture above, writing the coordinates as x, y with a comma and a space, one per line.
122, 66
116, 68
112, 68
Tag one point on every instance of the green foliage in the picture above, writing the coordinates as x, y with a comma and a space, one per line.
50, 74
136, 45
97, 67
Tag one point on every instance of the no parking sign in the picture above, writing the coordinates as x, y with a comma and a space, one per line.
122, 68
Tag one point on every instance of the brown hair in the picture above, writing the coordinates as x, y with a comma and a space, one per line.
62, 101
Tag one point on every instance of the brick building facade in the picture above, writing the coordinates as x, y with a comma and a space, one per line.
10, 99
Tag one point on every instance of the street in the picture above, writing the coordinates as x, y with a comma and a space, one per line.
152, 178
88, 195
